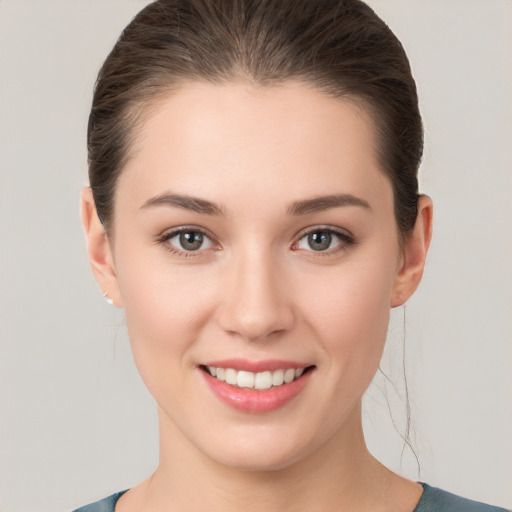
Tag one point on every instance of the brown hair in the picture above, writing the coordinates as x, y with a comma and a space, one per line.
339, 46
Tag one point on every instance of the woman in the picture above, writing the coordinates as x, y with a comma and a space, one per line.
254, 208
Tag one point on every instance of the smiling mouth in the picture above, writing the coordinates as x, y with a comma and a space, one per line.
259, 381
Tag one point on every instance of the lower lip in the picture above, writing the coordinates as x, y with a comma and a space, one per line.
256, 401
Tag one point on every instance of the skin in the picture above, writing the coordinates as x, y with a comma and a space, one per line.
256, 290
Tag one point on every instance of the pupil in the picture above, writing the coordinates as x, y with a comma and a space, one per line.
320, 240
191, 240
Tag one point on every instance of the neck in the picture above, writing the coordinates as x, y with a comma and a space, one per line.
341, 475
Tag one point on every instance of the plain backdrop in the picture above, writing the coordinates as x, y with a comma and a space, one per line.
76, 422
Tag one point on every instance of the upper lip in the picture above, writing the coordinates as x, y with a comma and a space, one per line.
256, 366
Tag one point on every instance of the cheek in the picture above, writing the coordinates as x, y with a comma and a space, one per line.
350, 314
166, 309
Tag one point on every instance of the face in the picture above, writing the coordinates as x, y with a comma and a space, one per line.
255, 241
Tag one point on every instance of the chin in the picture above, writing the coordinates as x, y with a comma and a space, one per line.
258, 461
260, 454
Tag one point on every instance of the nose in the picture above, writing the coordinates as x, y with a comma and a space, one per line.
256, 303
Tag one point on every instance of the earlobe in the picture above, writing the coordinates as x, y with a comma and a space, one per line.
98, 248
414, 254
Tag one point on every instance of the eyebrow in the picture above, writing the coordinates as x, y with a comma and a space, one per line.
303, 207
322, 203
185, 202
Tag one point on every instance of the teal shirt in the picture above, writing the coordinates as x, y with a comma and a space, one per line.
432, 500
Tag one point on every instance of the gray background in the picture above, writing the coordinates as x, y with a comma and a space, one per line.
76, 422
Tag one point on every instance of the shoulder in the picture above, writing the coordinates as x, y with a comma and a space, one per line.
105, 505
437, 500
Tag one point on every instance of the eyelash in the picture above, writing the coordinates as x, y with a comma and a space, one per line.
345, 240
166, 237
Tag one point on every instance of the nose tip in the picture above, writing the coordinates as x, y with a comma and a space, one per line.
253, 327
256, 306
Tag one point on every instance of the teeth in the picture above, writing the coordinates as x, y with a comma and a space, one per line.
231, 376
245, 379
263, 380
277, 377
289, 375
260, 380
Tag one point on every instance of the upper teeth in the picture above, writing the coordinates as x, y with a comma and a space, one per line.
260, 380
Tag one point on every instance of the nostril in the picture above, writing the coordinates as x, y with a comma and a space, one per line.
255, 304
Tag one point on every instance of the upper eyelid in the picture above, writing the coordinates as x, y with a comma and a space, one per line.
336, 230
170, 232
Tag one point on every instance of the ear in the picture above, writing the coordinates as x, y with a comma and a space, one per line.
414, 254
99, 249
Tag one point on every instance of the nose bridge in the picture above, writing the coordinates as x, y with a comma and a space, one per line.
256, 304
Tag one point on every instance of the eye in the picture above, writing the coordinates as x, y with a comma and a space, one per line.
323, 240
187, 240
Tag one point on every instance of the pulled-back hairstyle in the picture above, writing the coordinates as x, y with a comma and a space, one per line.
339, 46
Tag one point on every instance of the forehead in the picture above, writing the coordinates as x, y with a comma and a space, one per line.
288, 140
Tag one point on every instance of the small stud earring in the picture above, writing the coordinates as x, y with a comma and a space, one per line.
108, 299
